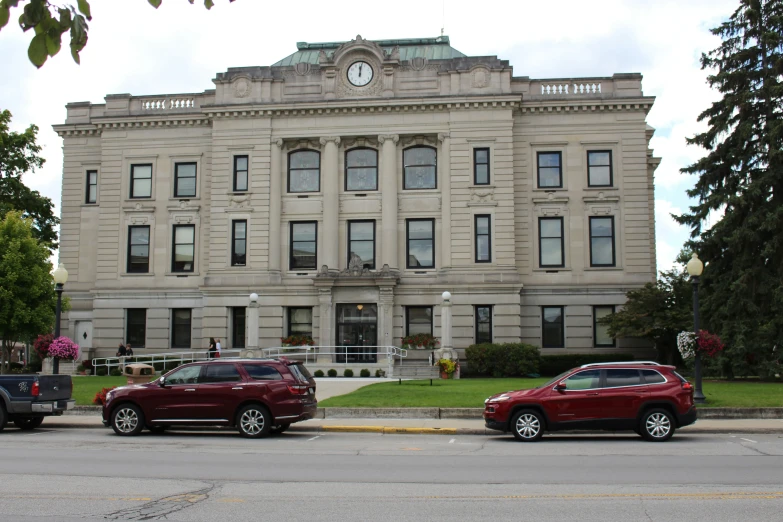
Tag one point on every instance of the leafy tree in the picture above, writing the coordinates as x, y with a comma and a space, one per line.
742, 174
18, 155
27, 297
50, 21
657, 312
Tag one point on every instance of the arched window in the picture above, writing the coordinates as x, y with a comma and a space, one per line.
361, 169
420, 168
304, 171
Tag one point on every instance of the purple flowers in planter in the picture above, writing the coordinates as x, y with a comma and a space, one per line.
64, 348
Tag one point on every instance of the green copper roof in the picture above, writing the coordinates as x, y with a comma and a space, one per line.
430, 48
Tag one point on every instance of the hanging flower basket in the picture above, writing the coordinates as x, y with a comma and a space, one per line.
706, 344
64, 348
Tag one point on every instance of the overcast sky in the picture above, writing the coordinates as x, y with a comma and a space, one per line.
179, 48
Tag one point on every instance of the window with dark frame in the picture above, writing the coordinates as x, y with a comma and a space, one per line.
238, 327
420, 168
483, 239
184, 180
481, 166
216, 373
361, 242
551, 243
91, 194
304, 171
599, 168
138, 249
136, 327
180, 327
304, 245
361, 170
184, 243
601, 335
483, 324
553, 327
239, 242
300, 321
602, 241
420, 241
240, 173
418, 320
141, 181
550, 169
619, 377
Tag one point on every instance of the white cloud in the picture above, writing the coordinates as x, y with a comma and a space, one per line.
670, 235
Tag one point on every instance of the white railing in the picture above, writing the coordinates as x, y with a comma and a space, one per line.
554, 89
344, 355
168, 103
158, 358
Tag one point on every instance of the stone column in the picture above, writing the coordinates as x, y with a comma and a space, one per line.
275, 203
325, 324
331, 192
386, 316
445, 184
388, 173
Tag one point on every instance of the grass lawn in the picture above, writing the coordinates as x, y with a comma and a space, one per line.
86, 386
470, 393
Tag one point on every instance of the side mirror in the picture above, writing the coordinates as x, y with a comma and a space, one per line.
560, 386
162, 382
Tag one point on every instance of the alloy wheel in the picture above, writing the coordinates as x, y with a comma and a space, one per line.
126, 420
658, 425
528, 426
252, 422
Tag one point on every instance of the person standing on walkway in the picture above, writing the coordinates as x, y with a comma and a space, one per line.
218, 348
212, 350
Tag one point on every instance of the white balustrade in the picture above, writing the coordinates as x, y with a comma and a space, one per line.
559, 89
168, 103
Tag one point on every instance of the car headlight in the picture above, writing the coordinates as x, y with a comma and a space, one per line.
501, 398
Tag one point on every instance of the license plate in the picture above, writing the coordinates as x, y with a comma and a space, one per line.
312, 391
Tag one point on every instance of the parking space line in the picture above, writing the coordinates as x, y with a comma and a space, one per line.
753, 441
317, 436
452, 441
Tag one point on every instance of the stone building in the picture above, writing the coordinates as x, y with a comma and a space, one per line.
350, 184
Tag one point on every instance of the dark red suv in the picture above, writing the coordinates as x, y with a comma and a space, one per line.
651, 399
257, 396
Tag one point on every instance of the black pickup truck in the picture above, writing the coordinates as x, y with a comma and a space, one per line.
26, 399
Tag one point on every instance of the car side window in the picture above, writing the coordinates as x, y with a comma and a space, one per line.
616, 377
585, 380
652, 377
221, 373
261, 372
187, 375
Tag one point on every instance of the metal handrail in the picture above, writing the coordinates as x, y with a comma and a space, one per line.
158, 358
391, 352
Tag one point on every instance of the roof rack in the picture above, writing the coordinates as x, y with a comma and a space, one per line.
626, 363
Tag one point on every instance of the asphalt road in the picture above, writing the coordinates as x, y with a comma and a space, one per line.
81, 475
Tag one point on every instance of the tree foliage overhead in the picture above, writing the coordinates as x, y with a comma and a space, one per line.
19, 155
742, 175
51, 21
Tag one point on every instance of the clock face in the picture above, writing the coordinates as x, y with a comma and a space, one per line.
360, 74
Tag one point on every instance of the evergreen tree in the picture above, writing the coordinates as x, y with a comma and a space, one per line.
742, 176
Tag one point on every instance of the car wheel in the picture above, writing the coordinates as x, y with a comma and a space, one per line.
527, 425
28, 423
254, 421
3, 417
127, 419
280, 428
657, 425
158, 429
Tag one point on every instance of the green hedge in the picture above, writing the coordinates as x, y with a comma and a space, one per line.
502, 360
552, 365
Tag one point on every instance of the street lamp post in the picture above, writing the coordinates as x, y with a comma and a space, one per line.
60, 276
695, 267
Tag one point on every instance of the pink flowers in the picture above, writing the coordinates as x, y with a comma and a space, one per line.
64, 348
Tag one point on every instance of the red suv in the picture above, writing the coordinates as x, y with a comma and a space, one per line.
257, 396
651, 399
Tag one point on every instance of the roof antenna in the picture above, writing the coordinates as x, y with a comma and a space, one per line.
443, 24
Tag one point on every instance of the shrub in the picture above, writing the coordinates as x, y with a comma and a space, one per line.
100, 397
41, 345
80, 368
502, 360
380, 373
364, 373
101, 372
552, 365
332, 373
348, 373
115, 372
318, 373
87, 363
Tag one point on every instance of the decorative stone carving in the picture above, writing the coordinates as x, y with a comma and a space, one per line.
355, 263
241, 87
418, 63
355, 270
238, 201
393, 137
480, 77
482, 198
302, 68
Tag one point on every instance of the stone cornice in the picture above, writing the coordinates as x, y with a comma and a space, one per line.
585, 105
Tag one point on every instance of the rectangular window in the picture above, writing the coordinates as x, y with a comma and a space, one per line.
300, 321
601, 335
184, 180
483, 238
420, 239
184, 256
550, 170
238, 242
304, 171
420, 168
91, 193
602, 241
483, 324
136, 327
481, 166
180, 328
599, 168
138, 249
619, 377
550, 242
238, 326
553, 328
141, 181
361, 169
240, 173
361, 243
303, 245
418, 320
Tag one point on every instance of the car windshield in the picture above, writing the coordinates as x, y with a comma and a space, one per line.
556, 379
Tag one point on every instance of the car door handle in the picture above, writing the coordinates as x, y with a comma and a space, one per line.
190, 389
236, 388
592, 394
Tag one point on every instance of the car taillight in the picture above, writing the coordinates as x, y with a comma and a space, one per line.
36, 389
687, 386
297, 389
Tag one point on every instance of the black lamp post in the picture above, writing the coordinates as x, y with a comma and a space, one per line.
60, 276
695, 267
